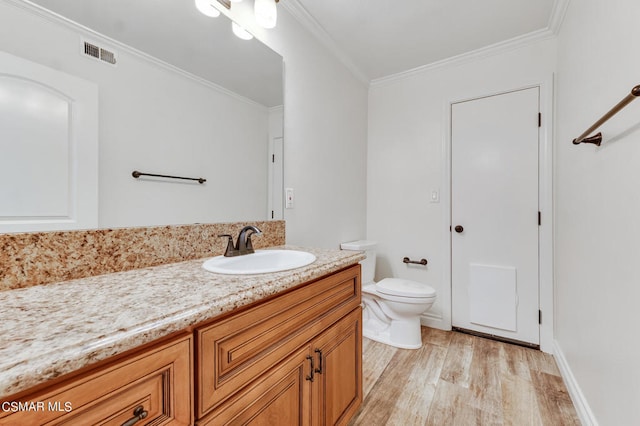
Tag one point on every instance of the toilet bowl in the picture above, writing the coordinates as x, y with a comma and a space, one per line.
392, 306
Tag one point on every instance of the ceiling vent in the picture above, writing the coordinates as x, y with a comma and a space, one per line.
93, 50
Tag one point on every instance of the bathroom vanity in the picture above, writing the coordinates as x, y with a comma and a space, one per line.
175, 344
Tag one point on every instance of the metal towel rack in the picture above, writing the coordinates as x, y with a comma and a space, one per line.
597, 138
136, 174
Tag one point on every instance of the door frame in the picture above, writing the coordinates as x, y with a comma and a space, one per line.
545, 203
276, 131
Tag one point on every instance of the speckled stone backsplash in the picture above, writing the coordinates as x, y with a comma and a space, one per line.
29, 259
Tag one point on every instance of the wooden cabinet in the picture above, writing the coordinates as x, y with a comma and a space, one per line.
319, 384
294, 360
154, 386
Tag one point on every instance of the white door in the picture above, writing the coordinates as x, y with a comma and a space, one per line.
494, 215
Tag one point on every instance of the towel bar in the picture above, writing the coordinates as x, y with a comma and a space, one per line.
136, 174
597, 138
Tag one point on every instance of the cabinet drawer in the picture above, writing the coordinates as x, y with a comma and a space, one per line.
235, 350
158, 380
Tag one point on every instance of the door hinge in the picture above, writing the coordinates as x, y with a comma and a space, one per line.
539, 218
273, 158
271, 214
539, 316
539, 119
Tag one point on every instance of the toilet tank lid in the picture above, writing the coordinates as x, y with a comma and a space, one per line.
358, 245
400, 287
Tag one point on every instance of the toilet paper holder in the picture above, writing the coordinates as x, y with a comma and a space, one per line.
415, 262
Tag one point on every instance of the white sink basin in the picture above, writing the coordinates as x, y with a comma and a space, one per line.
260, 262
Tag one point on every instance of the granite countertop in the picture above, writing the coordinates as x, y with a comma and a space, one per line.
50, 330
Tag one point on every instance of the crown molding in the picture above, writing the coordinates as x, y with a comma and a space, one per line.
483, 52
313, 26
55, 18
557, 15
310, 23
553, 28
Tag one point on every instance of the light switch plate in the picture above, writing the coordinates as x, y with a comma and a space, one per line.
288, 197
435, 196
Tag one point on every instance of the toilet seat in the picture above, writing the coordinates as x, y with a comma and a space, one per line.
399, 290
405, 288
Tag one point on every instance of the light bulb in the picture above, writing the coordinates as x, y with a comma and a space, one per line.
240, 32
206, 8
266, 13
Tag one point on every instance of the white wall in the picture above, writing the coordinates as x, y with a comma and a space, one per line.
325, 135
157, 121
408, 131
597, 208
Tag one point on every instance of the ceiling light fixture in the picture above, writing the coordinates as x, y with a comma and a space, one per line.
266, 13
207, 8
240, 32
227, 3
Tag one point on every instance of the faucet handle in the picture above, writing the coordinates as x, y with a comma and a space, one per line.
230, 248
250, 244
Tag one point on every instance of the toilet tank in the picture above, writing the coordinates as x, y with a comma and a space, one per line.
368, 264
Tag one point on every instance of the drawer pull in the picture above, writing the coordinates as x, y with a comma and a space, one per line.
310, 377
139, 413
319, 369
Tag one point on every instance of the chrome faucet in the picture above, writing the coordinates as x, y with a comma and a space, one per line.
243, 243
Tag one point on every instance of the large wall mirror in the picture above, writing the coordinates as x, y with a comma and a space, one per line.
177, 94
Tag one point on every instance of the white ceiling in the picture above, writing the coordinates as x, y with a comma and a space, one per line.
381, 37
374, 38
176, 33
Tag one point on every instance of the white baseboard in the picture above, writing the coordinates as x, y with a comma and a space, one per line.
579, 401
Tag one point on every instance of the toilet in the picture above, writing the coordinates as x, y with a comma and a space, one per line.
392, 306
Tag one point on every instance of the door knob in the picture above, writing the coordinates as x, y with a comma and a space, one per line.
459, 229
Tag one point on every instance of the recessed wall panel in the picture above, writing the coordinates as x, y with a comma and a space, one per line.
35, 147
493, 296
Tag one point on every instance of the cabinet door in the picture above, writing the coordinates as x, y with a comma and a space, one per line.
280, 397
153, 387
237, 349
337, 388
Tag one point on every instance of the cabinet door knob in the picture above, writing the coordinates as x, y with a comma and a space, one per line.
139, 413
459, 229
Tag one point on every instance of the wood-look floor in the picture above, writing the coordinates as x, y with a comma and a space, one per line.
458, 379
